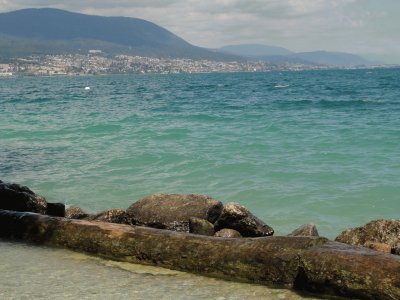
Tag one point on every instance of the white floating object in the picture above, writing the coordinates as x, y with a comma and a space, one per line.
87, 88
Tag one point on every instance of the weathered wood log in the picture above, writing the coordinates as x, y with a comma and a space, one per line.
340, 269
307, 263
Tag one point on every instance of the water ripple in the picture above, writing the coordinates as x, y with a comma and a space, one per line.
324, 148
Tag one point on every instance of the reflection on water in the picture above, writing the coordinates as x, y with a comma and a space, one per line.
32, 272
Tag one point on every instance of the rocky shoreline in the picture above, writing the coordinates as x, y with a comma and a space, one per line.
198, 234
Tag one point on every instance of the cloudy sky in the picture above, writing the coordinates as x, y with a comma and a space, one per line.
367, 27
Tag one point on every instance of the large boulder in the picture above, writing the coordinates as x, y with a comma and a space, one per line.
235, 216
172, 211
20, 198
375, 234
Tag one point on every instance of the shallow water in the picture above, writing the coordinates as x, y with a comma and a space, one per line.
32, 272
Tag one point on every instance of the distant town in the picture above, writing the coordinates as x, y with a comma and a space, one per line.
98, 63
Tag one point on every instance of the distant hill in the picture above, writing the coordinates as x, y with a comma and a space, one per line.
281, 55
332, 58
54, 31
255, 50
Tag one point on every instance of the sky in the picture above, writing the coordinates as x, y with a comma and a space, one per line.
366, 27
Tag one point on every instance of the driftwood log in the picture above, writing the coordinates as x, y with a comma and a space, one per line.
306, 263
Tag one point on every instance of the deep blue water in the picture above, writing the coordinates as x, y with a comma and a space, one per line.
293, 147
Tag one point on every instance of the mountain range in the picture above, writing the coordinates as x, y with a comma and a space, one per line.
281, 55
53, 31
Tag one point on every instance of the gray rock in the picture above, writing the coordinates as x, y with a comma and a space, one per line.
20, 198
200, 226
305, 230
75, 212
377, 231
55, 209
235, 216
173, 211
228, 233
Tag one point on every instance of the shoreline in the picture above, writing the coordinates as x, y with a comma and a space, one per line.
11, 73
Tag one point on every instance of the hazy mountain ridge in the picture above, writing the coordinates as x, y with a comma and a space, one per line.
54, 24
47, 30
332, 58
255, 50
281, 55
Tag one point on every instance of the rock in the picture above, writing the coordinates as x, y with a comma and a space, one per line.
377, 231
228, 233
200, 226
173, 211
305, 230
20, 198
75, 212
235, 216
115, 215
55, 209
385, 248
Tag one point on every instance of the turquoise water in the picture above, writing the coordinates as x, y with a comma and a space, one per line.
293, 147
